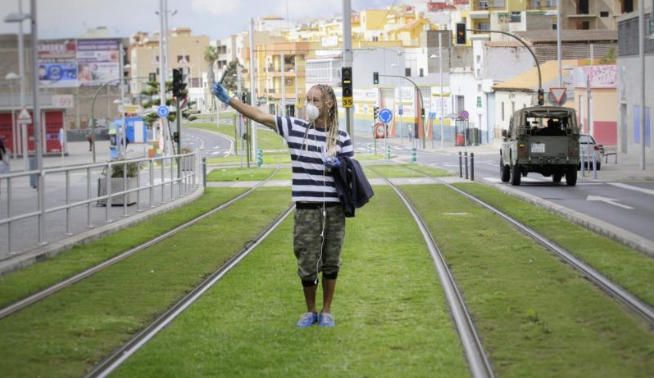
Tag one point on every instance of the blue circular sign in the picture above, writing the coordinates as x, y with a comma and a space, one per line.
162, 111
385, 115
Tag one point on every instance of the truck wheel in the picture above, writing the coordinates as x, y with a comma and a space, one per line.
505, 171
571, 176
515, 175
556, 178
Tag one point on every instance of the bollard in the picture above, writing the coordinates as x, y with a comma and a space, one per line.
465, 163
594, 165
460, 166
413, 154
259, 157
472, 166
204, 172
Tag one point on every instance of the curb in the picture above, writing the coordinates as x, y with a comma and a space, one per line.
25, 259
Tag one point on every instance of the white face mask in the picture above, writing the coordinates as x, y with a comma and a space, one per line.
312, 112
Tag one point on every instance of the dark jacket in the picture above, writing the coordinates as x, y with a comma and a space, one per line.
352, 186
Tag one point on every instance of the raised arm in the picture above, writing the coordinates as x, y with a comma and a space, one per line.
249, 111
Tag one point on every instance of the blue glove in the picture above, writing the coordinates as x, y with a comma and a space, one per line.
220, 92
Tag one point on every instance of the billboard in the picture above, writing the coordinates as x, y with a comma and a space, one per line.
65, 63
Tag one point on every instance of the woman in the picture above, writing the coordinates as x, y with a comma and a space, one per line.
319, 228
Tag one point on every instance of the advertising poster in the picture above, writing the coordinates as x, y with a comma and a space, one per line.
57, 64
97, 61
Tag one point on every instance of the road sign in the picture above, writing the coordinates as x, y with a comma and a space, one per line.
24, 116
379, 130
557, 95
347, 102
162, 111
385, 115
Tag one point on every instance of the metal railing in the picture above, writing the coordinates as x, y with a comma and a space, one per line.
75, 196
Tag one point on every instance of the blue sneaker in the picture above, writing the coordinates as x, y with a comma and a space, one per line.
326, 320
307, 320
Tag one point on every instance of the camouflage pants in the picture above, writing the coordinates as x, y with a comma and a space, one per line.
307, 241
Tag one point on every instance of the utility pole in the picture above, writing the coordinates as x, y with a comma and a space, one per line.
123, 138
283, 102
21, 73
347, 59
252, 92
558, 41
440, 67
162, 67
36, 120
641, 43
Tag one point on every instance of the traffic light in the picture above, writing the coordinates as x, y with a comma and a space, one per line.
541, 97
152, 76
346, 81
179, 87
375, 78
461, 33
376, 113
175, 136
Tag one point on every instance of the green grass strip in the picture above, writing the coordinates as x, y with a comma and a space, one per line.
537, 317
267, 139
240, 174
403, 170
621, 264
20, 284
392, 320
69, 332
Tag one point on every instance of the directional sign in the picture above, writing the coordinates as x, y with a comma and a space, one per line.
162, 111
385, 115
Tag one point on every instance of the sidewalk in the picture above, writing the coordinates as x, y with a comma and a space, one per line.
78, 153
626, 169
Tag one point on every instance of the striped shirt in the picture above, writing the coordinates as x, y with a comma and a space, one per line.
312, 181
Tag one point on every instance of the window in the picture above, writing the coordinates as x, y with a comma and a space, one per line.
582, 7
604, 14
460, 104
512, 107
407, 72
585, 25
422, 73
502, 110
516, 17
627, 6
553, 26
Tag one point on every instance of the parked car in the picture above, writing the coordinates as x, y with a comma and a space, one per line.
589, 150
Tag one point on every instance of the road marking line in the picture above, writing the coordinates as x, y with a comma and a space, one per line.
634, 188
610, 201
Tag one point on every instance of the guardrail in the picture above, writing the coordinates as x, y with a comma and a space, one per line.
73, 194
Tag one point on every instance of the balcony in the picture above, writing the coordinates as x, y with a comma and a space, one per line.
541, 4
486, 5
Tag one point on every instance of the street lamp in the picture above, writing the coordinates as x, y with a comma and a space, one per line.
12, 77
19, 18
440, 73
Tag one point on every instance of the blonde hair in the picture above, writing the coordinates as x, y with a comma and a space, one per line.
332, 117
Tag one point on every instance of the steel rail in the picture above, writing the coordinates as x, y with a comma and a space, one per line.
42, 294
641, 308
478, 361
118, 357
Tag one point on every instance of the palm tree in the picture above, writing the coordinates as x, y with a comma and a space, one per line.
210, 56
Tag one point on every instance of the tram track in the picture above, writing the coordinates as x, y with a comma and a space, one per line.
119, 356
478, 361
50, 290
637, 306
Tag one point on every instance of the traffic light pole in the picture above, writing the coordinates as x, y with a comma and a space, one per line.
541, 93
179, 136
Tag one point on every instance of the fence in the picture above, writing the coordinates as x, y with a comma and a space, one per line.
76, 198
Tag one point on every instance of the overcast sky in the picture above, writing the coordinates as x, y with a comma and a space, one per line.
215, 18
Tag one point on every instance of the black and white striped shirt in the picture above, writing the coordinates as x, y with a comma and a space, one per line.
312, 181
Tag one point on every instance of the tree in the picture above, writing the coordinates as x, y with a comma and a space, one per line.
152, 91
210, 57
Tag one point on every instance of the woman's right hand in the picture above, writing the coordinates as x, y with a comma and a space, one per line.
220, 92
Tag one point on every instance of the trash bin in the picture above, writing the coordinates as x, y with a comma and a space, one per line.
460, 140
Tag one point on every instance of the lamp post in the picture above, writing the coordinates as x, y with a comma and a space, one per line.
19, 18
440, 73
12, 77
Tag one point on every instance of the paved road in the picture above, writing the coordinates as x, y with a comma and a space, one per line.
210, 144
625, 204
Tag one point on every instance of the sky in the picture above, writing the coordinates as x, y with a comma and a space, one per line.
215, 18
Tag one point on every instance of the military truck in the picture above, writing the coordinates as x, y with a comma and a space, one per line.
542, 139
